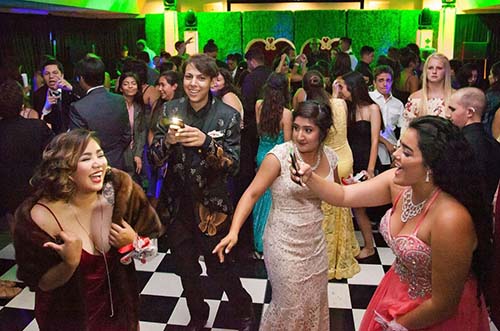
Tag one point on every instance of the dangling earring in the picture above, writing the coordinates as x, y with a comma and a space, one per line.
427, 175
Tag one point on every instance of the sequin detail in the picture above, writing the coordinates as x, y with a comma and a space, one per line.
413, 260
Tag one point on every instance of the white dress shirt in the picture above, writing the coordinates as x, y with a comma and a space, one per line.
392, 115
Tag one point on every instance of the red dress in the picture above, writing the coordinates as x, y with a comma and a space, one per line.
408, 284
102, 311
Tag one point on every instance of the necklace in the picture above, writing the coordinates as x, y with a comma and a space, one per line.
75, 215
99, 250
409, 209
318, 160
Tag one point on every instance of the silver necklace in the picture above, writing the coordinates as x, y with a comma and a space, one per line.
409, 209
318, 159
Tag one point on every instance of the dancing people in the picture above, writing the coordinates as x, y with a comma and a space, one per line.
294, 243
439, 231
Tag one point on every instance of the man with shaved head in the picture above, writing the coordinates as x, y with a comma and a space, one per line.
465, 109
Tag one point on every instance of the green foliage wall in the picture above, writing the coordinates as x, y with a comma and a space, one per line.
233, 30
327, 23
262, 24
223, 28
155, 32
376, 28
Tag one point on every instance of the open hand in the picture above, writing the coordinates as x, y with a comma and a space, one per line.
225, 245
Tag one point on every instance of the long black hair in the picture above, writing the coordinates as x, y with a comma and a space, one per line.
276, 98
453, 164
356, 85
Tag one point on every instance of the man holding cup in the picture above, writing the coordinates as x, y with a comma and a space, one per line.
201, 151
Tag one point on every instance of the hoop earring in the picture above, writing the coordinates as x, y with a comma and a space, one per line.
427, 175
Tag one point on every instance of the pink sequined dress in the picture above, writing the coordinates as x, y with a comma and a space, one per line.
408, 284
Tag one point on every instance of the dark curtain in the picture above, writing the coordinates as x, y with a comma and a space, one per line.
479, 28
24, 39
76, 36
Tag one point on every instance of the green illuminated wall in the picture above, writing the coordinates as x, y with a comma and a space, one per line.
224, 28
233, 30
327, 23
262, 24
154, 32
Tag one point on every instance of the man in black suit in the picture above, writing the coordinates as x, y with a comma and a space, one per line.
101, 111
52, 101
465, 110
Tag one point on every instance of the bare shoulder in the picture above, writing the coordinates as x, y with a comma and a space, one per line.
44, 218
416, 94
451, 217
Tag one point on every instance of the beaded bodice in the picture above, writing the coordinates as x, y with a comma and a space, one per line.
413, 256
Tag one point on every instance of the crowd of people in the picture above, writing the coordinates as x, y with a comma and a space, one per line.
233, 160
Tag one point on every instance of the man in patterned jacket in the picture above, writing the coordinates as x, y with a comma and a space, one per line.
194, 204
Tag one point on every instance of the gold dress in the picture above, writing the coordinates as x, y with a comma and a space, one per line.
341, 243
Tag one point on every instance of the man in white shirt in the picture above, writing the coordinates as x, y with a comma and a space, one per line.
345, 46
392, 112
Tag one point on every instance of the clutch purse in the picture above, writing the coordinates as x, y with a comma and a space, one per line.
210, 220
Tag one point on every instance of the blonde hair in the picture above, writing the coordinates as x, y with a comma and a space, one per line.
423, 109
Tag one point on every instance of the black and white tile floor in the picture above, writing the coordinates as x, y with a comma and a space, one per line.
163, 306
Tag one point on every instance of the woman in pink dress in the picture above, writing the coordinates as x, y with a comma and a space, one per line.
438, 230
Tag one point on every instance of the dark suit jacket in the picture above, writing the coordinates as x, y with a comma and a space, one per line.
22, 142
106, 114
59, 117
487, 151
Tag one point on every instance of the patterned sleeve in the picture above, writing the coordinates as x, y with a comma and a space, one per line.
223, 153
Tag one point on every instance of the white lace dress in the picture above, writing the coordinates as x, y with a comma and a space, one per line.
295, 253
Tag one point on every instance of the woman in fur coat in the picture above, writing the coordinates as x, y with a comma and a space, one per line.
67, 236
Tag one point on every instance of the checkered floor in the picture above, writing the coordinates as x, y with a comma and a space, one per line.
163, 306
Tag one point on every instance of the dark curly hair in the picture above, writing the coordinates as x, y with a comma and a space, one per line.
60, 160
453, 164
320, 113
276, 98
228, 84
11, 99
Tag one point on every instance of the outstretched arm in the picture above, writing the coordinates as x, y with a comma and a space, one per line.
374, 192
268, 172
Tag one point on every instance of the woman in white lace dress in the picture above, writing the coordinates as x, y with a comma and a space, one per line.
296, 257
433, 97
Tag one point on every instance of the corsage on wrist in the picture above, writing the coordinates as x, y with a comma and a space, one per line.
142, 249
388, 325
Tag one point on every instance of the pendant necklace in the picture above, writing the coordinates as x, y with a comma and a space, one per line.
318, 159
100, 251
409, 209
